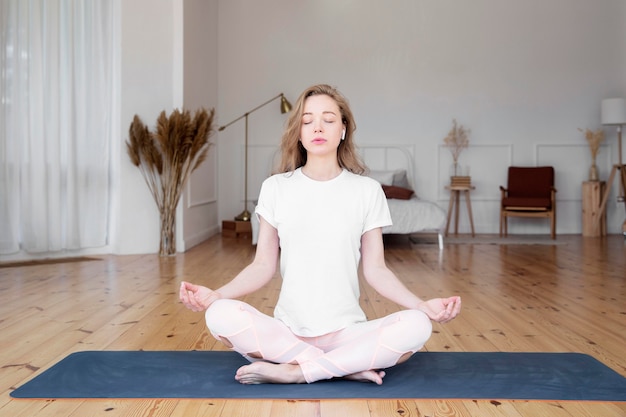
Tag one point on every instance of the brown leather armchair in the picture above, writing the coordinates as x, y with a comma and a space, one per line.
530, 192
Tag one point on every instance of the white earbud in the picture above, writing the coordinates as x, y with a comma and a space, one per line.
343, 134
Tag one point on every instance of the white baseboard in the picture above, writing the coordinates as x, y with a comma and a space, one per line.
191, 241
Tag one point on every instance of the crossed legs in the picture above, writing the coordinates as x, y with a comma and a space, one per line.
359, 352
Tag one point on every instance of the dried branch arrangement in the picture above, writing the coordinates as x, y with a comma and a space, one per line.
457, 140
594, 139
166, 159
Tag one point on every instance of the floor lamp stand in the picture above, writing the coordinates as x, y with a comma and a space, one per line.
285, 107
244, 216
622, 180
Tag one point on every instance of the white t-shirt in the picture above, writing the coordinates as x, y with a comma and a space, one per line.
319, 225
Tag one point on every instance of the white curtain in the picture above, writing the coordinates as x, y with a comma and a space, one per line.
57, 88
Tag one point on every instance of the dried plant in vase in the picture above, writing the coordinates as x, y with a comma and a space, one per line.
594, 139
166, 159
456, 141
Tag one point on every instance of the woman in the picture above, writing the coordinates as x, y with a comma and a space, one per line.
322, 217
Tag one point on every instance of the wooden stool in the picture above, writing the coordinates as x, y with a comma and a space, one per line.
455, 196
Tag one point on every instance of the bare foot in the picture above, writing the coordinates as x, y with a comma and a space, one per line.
270, 373
367, 376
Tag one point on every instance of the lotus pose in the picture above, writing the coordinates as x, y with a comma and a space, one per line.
322, 217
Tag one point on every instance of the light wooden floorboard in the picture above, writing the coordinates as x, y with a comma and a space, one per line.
569, 297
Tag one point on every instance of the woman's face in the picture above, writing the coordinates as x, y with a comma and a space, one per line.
321, 127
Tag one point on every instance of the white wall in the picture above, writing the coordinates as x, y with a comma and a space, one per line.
523, 76
168, 50
199, 208
147, 88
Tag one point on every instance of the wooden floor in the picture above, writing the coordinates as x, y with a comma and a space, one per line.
550, 298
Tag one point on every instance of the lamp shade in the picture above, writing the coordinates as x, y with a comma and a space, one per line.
285, 106
614, 111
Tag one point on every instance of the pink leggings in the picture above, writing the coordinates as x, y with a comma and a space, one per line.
370, 345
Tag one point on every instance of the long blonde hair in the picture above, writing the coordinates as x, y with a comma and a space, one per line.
293, 154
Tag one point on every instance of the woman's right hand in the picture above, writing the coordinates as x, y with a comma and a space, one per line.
196, 297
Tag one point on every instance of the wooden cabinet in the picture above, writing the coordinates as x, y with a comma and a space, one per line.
594, 221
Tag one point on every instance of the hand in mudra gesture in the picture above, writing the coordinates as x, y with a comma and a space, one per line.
442, 310
196, 297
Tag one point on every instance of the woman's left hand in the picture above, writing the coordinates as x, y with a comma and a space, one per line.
442, 310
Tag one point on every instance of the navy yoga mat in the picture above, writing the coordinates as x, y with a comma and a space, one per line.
210, 374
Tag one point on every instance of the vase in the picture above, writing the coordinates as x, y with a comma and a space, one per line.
458, 170
593, 173
167, 246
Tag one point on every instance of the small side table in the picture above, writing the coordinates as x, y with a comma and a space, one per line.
455, 197
594, 220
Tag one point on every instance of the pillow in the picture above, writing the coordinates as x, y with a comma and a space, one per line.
400, 179
383, 177
399, 193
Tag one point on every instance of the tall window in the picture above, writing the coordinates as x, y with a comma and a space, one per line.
56, 123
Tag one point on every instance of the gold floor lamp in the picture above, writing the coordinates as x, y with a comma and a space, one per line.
285, 107
614, 114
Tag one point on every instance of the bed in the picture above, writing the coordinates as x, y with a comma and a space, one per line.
393, 167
